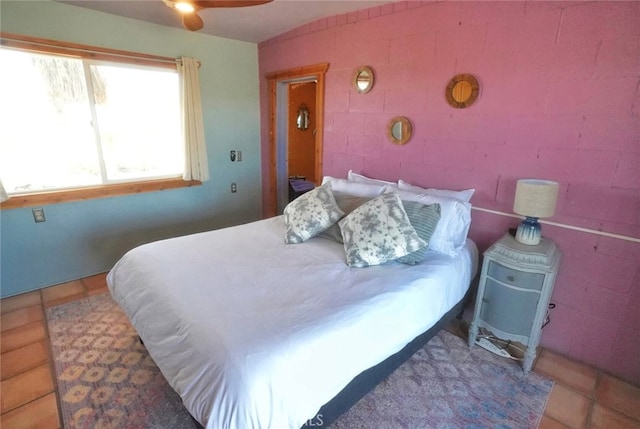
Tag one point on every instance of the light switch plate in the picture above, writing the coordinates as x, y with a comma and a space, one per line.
38, 215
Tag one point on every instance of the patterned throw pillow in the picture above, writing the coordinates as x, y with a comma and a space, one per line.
347, 204
379, 231
424, 218
451, 232
310, 214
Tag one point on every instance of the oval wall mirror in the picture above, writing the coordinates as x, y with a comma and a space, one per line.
363, 79
302, 120
399, 130
462, 91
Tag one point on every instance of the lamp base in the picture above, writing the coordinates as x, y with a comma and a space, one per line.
529, 231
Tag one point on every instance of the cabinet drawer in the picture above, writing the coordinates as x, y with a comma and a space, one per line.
515, 278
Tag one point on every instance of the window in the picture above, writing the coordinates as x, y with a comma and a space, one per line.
89, 122
72, 122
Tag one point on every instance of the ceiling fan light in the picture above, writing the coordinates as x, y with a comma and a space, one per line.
184, 7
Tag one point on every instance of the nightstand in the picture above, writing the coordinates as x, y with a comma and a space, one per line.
514, 292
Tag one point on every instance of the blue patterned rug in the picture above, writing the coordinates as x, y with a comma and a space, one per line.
106, 379
447, 385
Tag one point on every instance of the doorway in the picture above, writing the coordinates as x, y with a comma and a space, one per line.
294, 151
301, 130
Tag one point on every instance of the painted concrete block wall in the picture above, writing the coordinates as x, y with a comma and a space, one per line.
86, 237
559, 99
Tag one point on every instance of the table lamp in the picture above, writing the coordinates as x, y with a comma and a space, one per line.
534, 199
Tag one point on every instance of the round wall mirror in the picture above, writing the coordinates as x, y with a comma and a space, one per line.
399, 130
462, 91
363, 79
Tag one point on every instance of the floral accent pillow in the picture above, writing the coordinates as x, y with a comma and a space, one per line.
379, 231
310, 214
347, 204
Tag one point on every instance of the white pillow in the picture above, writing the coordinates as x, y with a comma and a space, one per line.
354, 188
379, 231
461, 195
310, 214
451, 231
355, 177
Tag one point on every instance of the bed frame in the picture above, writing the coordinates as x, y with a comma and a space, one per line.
370, 378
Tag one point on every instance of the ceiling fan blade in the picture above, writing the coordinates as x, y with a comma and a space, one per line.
228, 3
192, 21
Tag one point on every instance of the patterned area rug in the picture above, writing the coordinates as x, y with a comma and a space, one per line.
447, 385
106, 379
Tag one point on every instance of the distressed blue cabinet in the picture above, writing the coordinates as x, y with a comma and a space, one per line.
515, 288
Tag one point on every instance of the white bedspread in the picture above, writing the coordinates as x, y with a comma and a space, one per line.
253, 333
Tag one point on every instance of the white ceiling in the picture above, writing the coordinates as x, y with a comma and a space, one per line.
251, 24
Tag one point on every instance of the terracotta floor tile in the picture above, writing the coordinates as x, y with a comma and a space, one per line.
458, 328
94, 282
65, 299
579, 376
568, 406
22, 317
62, 290
25, 387
549, 423
19, 301
618, 395
19, 337
97, 291
605, 418
39, 414
24, 358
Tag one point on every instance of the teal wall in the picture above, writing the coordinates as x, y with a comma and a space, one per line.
84, 238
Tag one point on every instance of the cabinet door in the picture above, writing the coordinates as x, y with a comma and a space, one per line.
509, 310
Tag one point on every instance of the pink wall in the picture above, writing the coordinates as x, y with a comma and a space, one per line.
559, 100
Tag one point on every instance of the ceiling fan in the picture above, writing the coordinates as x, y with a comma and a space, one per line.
189, 9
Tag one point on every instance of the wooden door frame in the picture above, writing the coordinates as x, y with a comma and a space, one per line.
316, 71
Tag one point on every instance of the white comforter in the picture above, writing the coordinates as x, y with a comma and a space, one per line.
253, 333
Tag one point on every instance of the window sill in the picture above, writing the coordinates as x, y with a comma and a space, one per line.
55, 197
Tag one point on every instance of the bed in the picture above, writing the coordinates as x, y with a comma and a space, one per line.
252, 332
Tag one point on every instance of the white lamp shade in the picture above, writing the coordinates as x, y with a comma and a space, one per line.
535, 198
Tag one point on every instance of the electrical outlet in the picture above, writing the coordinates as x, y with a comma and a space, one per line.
38, 215
232, 155
239, 155
234, 188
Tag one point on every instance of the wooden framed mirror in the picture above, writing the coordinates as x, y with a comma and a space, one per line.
399, 130
363, 79
462, 91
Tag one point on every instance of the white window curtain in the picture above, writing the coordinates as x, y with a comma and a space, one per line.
196, 165
3, 193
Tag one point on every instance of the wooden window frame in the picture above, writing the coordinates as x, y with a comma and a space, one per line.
88, 193
35, 44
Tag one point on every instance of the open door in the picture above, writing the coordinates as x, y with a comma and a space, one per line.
280, 122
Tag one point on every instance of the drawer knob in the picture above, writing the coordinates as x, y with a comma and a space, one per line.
511, 278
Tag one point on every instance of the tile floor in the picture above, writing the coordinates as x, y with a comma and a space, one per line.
582, 396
